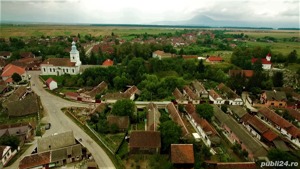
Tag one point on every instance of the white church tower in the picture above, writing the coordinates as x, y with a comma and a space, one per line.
74, 55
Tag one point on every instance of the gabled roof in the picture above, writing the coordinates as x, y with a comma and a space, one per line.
214, 94
175, 116
5, 53
215, 59
275, 118
270, 135
29, 105
49, 80
116, 96
26, 54
16, 95
99, 89
35, 160
14, 129
132, 90
145, 139
55, 141
62, 153
198, 86
243, 73
177, 94
10, 69
58, 62
182, 154
190, 93
153, 117
121, 121
294, 113
238, 110
227, 91
276, 95
264, 61
294, 131
108, 62
189, 56
258, 125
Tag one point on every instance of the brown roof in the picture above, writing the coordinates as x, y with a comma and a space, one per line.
243, 73
144, 139
49, 80
270, 135
121, 121
227, 91
177, 94
132, 90
276, 95
294, 131
5, 53
206, 127
24, 107
116, 96
34, 160
26, 54
214, 94
152, 117
198, 86
177, 118
182, 154
190, 108
99, 89
215, 59
100, 108
17, 94
58, 62
190, 93
189, 56
258, 125
275, 118
294, 113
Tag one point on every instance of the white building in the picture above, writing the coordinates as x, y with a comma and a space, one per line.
51, 84
5, 155
60, 66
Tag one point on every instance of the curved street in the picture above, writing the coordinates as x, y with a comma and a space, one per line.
60, 122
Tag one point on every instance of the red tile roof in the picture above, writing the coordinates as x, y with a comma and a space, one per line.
294, 131
263, 61
10, 69
144, 139
275, 118
26, 54
182, 154
72, 94
108, 62
214, 94
294, 113
270, 135
132, 90
190, 108
35, 160
257, 124
49, 80
177, 94
215, 59
59, 62
243, 73
190, 93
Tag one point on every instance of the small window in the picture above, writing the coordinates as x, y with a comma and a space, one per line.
44, 69
272, 104
50, 70
67, 70
73, 70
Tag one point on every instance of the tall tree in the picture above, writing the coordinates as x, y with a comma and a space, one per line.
201, 67
278, 79
124, 107
292, 57
205, 110
170, 134
16, 77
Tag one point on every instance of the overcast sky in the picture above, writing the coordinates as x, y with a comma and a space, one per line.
283, 12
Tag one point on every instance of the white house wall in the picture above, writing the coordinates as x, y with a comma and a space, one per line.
59, 70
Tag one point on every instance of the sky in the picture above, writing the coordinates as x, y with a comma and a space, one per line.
273, 13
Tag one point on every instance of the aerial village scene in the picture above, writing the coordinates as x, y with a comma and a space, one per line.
143, 89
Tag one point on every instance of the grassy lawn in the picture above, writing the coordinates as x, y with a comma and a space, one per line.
271, 33
113, 140
58, 79
278, 47
293, 67
4, 119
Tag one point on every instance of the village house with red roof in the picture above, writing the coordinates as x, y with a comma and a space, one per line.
51, 84
215, 97
9, 70
214, 59
266, 62
182, 155
161, 55
108, 62
60, 66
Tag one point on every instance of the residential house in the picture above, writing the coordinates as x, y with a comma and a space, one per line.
99, 89
122, 122
230, 165
108, 62
60, 66
9, 70
18, 94
214, 59
241, 73
273, 98
51, 84
145, 142
39, 160
238, 112
182, 156
27, 55
24, 131
2, 64
53, 152
200, 89
178, 96
215, 97
191, 95
266, 62
29, 105
133, 91
6, 154
130, 93
258, 129
29, 63
295, 114
231, 97
176, 117
5, 54
99, 108
153, 117
237, 134
207, 132
161, 55
278, 122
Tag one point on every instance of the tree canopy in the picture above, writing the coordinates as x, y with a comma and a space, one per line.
170, 134
205, 110
124, 107
16, 77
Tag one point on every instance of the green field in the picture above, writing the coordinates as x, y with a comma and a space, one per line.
283, 47
56, 30
271, 33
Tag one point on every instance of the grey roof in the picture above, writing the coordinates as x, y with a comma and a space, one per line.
16, 95
62, 153
280, 144
24, 107
241, 133
198, 87
56, 141
238, 110
276, 95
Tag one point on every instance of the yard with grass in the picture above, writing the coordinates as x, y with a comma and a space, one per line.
58, 79
277, 47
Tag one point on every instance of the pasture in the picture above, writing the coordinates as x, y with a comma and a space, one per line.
278, 34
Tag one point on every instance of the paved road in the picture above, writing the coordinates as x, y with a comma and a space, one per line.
60, 122
247, 104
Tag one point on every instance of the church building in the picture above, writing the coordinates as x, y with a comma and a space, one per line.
60, 66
